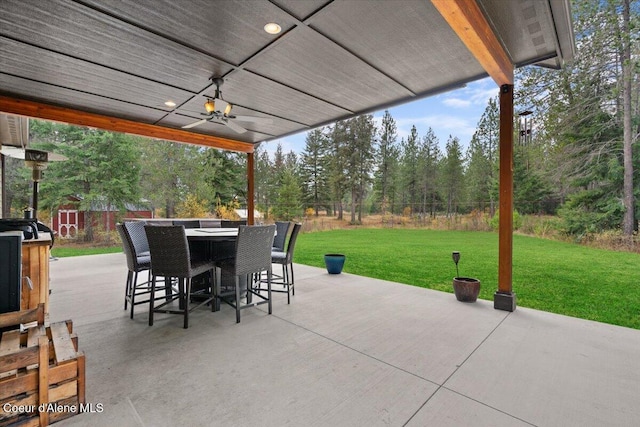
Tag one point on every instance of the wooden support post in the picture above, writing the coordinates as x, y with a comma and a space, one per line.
250, 189
504, 298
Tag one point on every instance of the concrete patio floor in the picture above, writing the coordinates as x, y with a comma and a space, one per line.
348, 351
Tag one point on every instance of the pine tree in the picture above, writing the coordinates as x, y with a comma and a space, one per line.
409, 167
314, 171
452, 176
387, 164
428, 166
90, 171
289, 201
360, 153
262, 173
482, 160
337, 166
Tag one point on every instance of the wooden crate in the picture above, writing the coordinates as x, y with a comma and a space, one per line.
35, 266
42, 373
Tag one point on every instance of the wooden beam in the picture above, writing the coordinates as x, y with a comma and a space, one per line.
467, 20
504, 298
39, 110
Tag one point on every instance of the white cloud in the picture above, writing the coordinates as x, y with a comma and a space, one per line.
456, 102
476, 94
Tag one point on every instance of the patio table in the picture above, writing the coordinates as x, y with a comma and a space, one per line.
212, 234
212, 244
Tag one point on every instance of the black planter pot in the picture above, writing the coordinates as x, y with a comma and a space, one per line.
466, 288
334, 263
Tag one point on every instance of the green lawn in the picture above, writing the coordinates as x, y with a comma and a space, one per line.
552, 276
66, 251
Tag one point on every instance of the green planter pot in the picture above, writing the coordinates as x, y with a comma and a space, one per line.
334, 263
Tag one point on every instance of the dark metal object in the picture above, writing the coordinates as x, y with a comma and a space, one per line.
28, 226
11, 267
456, 258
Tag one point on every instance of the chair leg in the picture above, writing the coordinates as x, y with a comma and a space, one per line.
187, 296
293, 288
168, 290
248, 283
181, 292
133, 292
214, 294
216, 288
237, 278
269, 289
151, 299
285, 278
127, 290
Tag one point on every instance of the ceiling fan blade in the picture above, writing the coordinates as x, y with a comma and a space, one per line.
234, 126
252, 119
194, 124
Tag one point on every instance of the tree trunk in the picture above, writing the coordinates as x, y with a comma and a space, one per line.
107, 223
88, 226
353, 206
629, 210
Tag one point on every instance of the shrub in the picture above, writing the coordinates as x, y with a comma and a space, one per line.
191, 207
227, 211
495, 221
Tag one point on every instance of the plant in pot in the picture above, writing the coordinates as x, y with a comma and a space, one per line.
465, 288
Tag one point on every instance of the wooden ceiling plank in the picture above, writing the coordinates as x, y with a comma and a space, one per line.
67, 115
467, 20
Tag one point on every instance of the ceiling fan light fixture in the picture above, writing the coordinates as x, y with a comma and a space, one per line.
227, 109
210, 106
272, 28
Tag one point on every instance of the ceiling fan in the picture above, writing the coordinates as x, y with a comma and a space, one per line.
219, 111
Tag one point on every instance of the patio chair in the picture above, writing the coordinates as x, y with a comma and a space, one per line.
282, 230
252, 257
136, 250
286, 260
232, 223
188, 223
171, 258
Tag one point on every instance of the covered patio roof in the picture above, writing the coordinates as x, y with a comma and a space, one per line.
113, 64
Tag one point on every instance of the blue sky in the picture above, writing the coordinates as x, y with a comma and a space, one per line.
452, 113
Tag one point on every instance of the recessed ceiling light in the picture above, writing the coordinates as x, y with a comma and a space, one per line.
170, 104
272, 28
